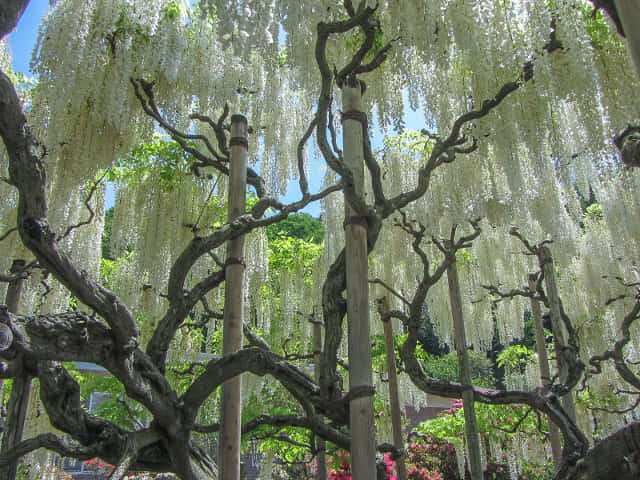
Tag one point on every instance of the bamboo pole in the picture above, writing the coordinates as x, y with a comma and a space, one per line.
394, 397
470, 420
556, 323
545, 374
321, 467
21, 389
363, 451
629, 13
231, 403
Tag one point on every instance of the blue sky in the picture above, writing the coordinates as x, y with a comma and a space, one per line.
23, 39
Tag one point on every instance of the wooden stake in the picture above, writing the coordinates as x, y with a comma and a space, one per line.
19, 399
545, 375
321, 468
14, 289
556, 323
470, 421
231, 403
394, 397
363, 448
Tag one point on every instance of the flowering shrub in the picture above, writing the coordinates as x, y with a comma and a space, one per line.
99, 466
534, 471
343, 471
415, 474
432, 459
105, 468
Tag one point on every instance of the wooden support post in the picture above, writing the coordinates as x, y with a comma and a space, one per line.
14, 289
363, 448
546, 262
231, 403
321, 466
545, 375
19, 399
394, 397
470, 421
629, 12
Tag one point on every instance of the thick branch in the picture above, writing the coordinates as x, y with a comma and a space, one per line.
71, 336
10, 13
257, 361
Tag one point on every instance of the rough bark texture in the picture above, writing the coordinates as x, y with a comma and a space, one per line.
10, 13
628, 142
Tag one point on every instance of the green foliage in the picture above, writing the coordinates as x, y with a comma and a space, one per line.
536, 471
514, 357
283, 56
106, 234
172, 10
21, 82
289, 253
182, 374
594, 213
162, 158
277, 402
597, 27
126, 25
463, 256
445, 367
493, 420
109, 268
118, 408
301, 226
409, 141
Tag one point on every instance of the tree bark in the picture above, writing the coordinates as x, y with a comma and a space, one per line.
19, 399
470, 421
614, 457
361, 414
545, 375
556, 323
231, 405
629, 13
10, 13
394, 397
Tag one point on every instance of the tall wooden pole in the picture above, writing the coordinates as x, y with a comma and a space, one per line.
394, 397
231, 404
363, 448
545, 374
629, 12
19, 399
470, 421
546, 262
321, 463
